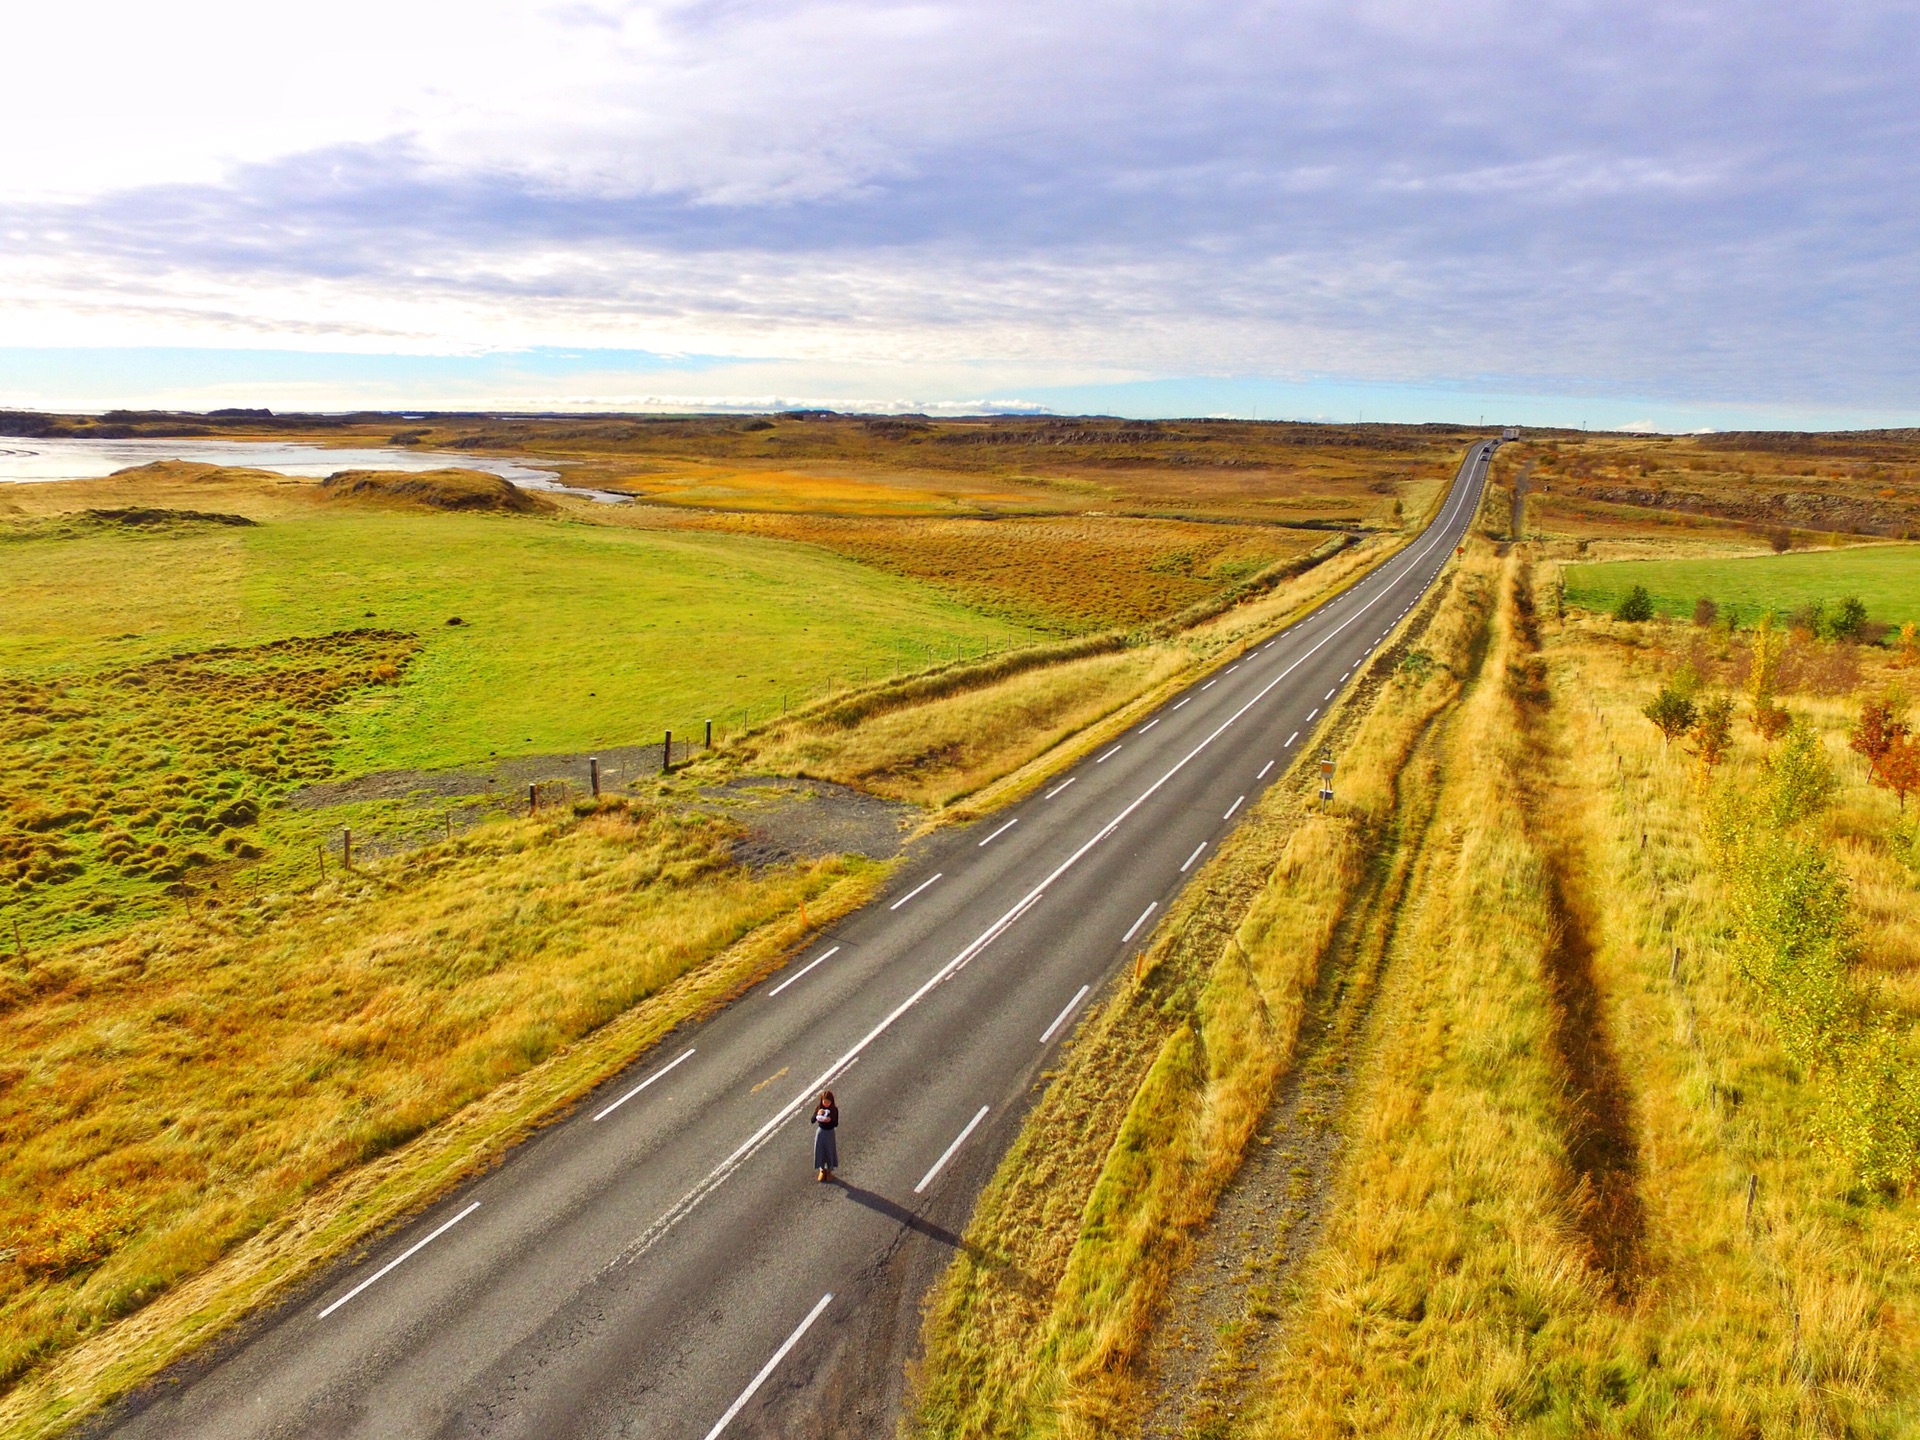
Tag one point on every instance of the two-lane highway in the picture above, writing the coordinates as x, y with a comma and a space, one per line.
664, 1263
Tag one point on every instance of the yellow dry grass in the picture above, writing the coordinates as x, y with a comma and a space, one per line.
1543, 1227
174, 1091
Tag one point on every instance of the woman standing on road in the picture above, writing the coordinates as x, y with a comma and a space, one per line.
826, 1119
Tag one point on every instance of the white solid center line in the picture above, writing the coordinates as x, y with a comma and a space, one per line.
1151, 723
1061, 1018
1233, 807
1134, 929
1058, 788
1108, 756
798, 974
718, 1176
687, 1056
1001, 831
403, 1255
915, 891
768, 1368
1187, 701
1193, 857
958, 1141
1263, 770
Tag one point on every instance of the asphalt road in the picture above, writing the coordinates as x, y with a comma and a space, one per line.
663, 1263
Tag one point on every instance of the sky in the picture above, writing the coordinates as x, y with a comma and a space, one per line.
1674, 215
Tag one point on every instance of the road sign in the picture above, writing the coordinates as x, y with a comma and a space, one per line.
1326, 780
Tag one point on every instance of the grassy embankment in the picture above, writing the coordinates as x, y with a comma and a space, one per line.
1582, 1196
472, 978
1125, 1154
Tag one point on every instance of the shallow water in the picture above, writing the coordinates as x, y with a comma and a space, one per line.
33, 461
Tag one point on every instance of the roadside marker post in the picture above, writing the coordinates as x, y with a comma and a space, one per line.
593, 774
346, 849
533, 799
709, 734
666, 754
1326, 782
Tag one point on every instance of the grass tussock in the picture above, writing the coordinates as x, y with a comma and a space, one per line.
171, 1093
1124, 1156
1580, 1197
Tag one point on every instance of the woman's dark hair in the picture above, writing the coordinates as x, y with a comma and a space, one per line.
826, 1097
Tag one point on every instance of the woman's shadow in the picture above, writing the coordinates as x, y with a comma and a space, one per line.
1009, 1274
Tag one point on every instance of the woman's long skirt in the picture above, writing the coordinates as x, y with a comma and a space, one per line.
826, 1154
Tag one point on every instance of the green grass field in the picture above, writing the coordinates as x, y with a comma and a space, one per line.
159, 692
1886, 577
574, 635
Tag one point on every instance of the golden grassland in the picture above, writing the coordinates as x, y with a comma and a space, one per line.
168, 1094
1072, 1245
1070, 572
1545, 1226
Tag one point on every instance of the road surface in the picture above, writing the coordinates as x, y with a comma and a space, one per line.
663, 1263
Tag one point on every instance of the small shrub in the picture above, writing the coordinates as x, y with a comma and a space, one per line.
1713, 732
1846, 621
1705, 612
1672, 713
1635, 606
1780, 540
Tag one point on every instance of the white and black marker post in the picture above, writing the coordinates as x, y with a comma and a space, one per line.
1326, 782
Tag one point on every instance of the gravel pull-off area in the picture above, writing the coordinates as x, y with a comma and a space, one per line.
785, 819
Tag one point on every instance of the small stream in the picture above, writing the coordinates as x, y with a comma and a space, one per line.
26, 462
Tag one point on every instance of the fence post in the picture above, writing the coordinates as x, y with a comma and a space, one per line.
321, 851
666, 754
18, 943
533, 798
709, 734
346, 849
593, 774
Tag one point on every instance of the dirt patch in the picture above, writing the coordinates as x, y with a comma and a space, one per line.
782, 819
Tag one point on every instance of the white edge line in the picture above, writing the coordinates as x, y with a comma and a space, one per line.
771, 1365
1230, 669
403, 1255
1108, 756
1150, 724
718, 1175
1061, 1018
1210, 684
958, 1141
1233, 807
1263, 770
1291, 738
1134, 929
1058, 788
799, 974
916, 890
1187, 701
664, 1068
1193, 857
998, 833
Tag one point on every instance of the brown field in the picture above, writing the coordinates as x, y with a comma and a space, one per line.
1735, 489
